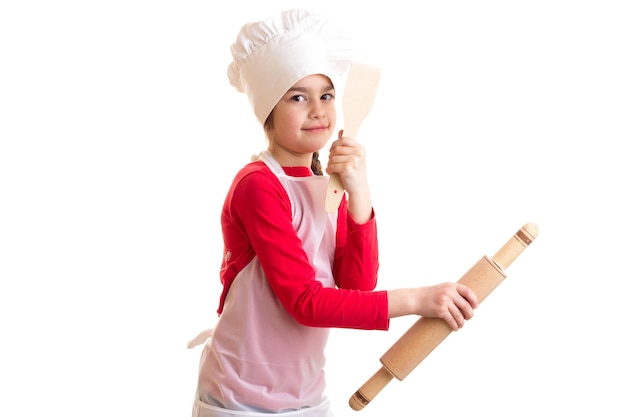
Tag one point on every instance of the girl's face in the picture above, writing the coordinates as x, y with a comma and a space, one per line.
302, 121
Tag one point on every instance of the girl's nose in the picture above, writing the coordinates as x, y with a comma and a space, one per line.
317, 110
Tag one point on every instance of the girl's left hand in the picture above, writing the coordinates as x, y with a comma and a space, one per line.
347, 159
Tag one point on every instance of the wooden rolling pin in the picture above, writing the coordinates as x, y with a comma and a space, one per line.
427, 333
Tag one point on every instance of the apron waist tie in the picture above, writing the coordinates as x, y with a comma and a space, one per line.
201, 338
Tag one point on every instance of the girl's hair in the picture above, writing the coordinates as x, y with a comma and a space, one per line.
316, 165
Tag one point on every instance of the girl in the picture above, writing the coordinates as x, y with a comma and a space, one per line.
291, 271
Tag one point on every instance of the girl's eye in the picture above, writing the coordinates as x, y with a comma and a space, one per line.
298, 98
328, 96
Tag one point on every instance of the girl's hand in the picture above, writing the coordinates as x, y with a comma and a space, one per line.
347, 159
452, 302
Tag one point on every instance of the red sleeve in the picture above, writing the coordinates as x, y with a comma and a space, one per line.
261, 211
356, 256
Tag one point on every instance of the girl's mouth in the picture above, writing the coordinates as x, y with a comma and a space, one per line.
315, 128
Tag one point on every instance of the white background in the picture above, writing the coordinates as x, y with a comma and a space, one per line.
120, 135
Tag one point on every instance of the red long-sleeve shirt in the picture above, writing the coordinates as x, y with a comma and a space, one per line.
256, 221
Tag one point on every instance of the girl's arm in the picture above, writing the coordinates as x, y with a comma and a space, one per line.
356, 253
449, 301
347, 159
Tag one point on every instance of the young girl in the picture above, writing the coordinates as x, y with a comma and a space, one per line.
291, 271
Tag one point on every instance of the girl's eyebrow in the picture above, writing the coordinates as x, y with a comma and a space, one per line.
305, 89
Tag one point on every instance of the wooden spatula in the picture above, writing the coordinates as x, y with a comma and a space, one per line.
358, 98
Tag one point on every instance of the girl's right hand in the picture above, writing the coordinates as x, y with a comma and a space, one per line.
452, 302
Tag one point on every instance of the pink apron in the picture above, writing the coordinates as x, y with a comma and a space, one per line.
280, 365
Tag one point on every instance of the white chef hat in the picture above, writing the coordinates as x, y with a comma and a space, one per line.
271, 55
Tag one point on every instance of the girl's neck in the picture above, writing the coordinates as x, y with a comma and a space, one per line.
289, 159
